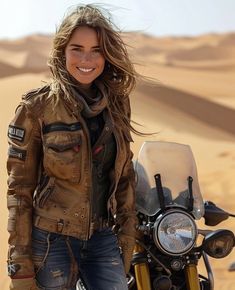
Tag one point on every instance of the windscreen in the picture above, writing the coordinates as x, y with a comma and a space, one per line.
175, 164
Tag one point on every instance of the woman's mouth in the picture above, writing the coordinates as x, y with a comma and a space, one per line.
86, 70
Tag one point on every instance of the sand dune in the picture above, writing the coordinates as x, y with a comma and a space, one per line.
204, 52
35, 61
16, 59
191, 100
208, 52
27, 55
37, 42
7, 70
200, 108
228, 39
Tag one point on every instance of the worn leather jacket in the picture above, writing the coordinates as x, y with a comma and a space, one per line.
49, 184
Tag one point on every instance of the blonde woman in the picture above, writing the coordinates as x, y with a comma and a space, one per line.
71, 182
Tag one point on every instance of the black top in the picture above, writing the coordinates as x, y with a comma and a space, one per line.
104, 153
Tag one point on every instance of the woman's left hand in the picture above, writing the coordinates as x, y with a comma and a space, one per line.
127, 244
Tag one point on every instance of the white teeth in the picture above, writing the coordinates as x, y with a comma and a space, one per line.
85, 69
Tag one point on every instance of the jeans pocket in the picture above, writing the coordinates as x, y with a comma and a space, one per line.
41, 242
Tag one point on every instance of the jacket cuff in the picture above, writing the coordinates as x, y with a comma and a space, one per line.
20, 267
23, 284
127, 224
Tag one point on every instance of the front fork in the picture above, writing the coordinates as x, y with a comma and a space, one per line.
141, 271
143, 277
192, 278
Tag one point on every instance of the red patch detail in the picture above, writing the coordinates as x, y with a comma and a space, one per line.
98, 149
76, 148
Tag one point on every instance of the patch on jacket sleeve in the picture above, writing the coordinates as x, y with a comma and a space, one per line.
12, 269
16, 133
17, 153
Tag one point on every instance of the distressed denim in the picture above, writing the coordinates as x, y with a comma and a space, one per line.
59, 260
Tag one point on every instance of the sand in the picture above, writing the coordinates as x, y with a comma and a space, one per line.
190, 100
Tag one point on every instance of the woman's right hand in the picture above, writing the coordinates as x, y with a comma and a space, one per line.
23, 284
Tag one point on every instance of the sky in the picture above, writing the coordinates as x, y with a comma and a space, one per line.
19, 18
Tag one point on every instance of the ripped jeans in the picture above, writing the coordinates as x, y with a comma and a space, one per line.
58, 258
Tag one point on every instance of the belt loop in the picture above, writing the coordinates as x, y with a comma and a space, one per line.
60, 226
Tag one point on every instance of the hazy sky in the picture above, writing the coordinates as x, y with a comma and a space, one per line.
157, 17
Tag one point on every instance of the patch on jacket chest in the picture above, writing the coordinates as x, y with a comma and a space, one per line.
58, 126
16, 133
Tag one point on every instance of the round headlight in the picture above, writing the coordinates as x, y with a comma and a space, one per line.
175, 232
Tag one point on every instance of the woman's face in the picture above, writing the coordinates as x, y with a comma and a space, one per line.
84, 59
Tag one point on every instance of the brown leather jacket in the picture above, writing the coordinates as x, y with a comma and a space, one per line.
49, 184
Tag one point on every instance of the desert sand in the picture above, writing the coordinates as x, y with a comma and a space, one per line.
190, 99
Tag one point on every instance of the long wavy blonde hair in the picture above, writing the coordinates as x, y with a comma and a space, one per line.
119, 75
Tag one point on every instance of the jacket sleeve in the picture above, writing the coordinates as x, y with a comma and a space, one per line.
125, 196
126, 219
22, 166
125, 193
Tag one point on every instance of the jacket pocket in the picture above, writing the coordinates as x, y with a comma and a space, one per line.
62, 155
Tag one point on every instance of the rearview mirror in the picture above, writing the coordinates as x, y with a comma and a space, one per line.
213, 214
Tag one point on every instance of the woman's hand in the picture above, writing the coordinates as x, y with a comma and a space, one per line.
127, 244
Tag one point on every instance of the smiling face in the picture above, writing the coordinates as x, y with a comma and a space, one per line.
84, 58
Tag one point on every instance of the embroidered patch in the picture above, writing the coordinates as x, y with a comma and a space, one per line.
12, 269
16, 133
17, 153
61, 127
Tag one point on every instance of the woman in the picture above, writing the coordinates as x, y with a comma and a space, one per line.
70, 168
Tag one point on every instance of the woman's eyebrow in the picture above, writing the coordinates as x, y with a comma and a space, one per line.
81, 46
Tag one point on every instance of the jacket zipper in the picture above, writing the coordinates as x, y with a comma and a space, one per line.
91, 192
89, 232
115, 186
90, 169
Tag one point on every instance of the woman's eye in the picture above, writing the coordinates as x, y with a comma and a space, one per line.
96, 51
77, 49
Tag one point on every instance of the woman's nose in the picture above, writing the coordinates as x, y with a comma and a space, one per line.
86, 56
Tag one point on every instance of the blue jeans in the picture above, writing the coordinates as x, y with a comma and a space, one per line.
58, 259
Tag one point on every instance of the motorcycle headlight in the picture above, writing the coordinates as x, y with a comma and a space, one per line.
175, 232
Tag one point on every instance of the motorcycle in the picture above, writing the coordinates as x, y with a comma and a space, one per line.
170, 243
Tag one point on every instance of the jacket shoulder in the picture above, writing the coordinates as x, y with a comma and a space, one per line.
37, 98
33, 94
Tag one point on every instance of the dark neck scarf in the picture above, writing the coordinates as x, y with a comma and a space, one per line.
92, 104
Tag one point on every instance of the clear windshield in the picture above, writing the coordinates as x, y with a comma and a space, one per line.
175, 164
